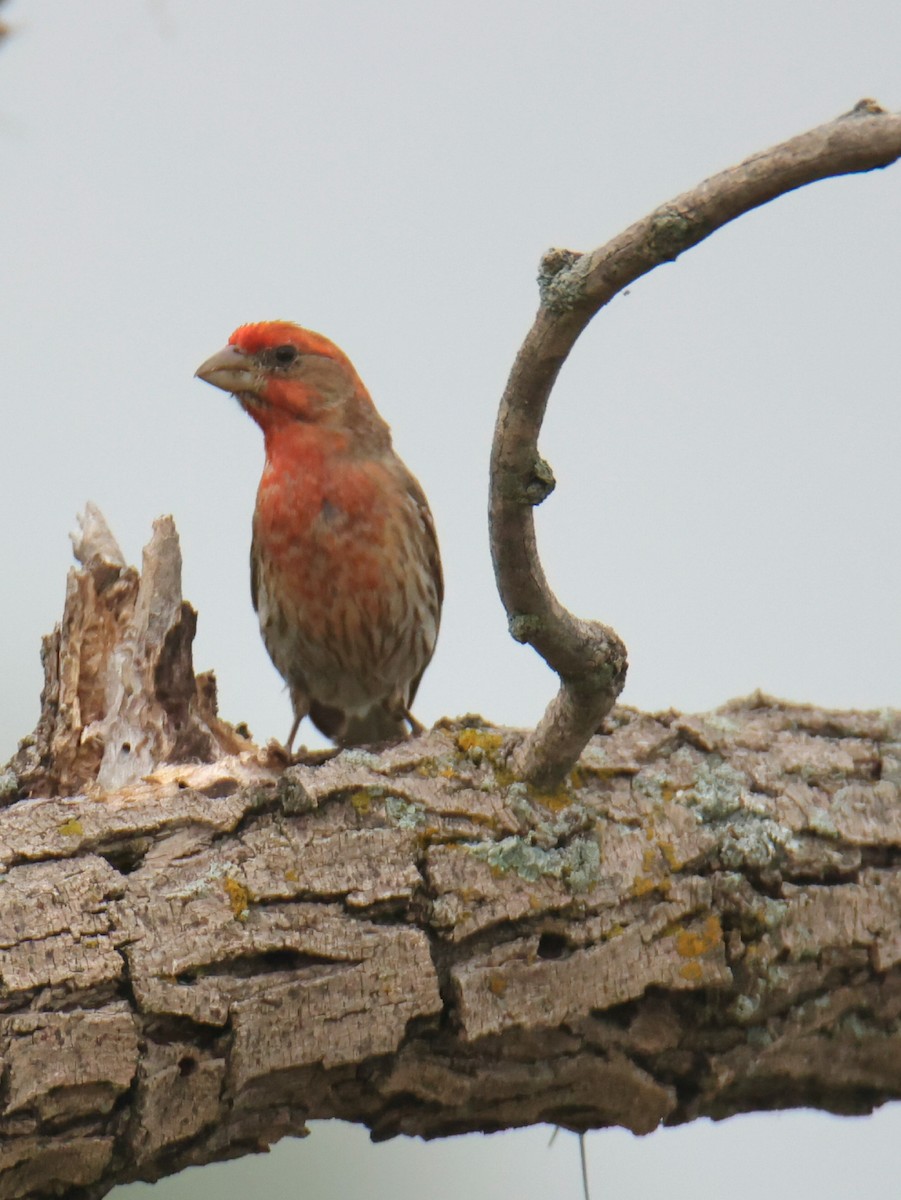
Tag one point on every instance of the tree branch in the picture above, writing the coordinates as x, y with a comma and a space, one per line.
588, 657
197, 961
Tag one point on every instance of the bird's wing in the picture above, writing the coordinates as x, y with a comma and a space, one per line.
254, 574
417, 495
424, 513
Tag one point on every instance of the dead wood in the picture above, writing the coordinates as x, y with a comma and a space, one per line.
197, 957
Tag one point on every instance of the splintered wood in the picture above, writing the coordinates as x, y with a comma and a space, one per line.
704, 919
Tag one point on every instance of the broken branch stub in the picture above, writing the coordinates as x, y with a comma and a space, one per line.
589, 657
120, 695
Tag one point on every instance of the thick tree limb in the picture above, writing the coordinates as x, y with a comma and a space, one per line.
589, 658
705, 920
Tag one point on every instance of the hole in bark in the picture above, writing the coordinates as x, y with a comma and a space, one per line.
878, 856
187, 1065
552, 945
125, 857
620, 1015
267, 962
126, 747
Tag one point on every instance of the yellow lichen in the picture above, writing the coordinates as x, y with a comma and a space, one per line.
431, 768
489, 742
555, 801
71, 828
361, 802
673, 861
641, 885
291, 875
238, 897
497, 985
577, 778
691, 943
691, 971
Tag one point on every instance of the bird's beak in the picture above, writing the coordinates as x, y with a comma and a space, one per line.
230, 370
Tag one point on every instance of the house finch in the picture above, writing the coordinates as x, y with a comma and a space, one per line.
344, 567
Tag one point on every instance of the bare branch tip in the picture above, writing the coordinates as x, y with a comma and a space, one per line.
164, 544
93, 540
164, 526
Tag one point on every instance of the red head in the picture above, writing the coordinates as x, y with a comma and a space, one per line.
282, 374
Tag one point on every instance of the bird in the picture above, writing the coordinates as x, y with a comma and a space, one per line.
345, 570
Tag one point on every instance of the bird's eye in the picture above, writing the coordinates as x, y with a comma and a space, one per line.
285, 355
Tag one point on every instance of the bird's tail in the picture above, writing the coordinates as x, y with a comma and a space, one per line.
377, 724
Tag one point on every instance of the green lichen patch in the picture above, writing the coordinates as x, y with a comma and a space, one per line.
561, 280
552, 819
672, 232
356, 756
717, 791
583, 866
757, 843
524, 627
404, 813
577, 865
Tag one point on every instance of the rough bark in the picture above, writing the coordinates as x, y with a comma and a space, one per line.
703, 919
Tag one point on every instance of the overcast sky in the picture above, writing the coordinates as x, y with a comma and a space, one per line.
725, 438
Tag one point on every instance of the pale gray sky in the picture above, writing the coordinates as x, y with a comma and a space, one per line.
725, 439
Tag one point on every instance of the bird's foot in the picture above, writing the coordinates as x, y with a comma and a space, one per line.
279, 757
416, 727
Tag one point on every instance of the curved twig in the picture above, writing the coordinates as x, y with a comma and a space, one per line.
589, 657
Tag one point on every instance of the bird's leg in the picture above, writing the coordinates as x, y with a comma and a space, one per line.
292, 735
300, 702
399, 710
